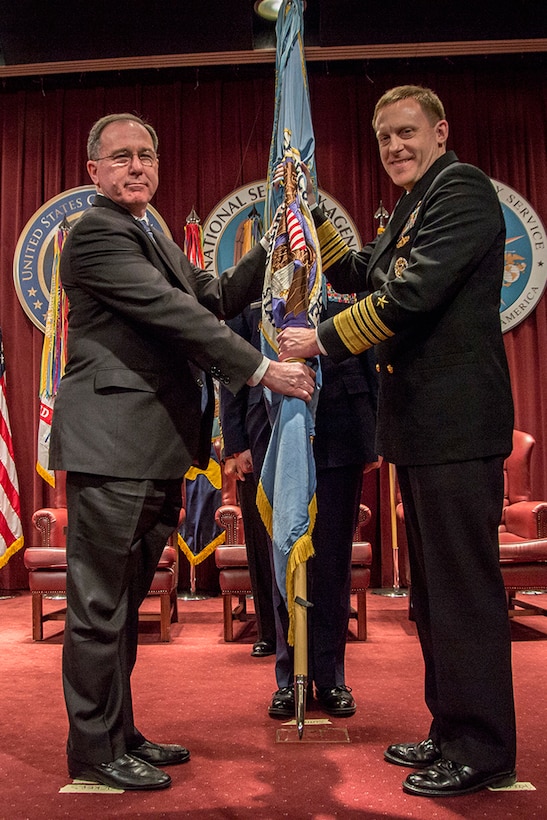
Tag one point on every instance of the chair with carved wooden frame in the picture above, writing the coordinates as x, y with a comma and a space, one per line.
235, 580
522, 531
47, 568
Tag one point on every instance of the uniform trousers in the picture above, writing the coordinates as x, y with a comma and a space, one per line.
259, 558
117, 529
452, 513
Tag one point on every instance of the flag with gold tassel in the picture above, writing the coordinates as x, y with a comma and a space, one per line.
53, 355
199, 534
292, 297
248, 234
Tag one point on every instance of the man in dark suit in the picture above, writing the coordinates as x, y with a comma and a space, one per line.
343, 447
144, 341
445, 419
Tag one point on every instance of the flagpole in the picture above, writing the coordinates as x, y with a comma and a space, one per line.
300, 645
293, 247
395, 591
192, 595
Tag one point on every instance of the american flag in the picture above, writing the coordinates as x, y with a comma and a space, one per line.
11, 531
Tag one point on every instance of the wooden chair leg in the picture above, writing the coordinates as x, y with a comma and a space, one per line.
174, 607
165, 617
37, 619
228, 620
362, 615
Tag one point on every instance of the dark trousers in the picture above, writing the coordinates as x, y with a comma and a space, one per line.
329, 582
259, 558
117, 529
452, 513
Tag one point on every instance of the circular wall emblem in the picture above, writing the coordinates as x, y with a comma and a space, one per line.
33, 259
525, 271
221, 226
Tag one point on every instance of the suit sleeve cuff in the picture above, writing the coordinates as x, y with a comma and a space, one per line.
258, 375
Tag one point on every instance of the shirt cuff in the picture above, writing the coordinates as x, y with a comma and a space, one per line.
319, 344
258, 375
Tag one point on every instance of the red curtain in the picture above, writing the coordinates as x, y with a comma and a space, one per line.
214, 126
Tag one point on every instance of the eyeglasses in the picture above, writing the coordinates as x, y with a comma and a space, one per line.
122, 159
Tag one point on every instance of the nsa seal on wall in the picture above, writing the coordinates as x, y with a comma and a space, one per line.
33, 259
221, 226
525, 271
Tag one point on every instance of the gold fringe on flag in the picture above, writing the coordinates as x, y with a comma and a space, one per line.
52, 366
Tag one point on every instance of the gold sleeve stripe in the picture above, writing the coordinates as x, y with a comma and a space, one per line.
331, 244
360, 326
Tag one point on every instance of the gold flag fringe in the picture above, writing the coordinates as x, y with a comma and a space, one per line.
205, 552
301, 550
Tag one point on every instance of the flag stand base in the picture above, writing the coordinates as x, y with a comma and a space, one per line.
192, 595
316, 731
391, 592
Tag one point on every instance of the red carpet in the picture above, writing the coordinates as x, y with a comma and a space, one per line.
213, 696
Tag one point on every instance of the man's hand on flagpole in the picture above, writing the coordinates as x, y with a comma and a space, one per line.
297, 343
290, 379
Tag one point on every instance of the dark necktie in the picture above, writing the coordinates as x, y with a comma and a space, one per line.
144, 223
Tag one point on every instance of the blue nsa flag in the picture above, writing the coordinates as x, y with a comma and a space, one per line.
291, 297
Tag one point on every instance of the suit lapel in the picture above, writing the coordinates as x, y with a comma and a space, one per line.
406, 204
161, 244
165, 251
400, 214
171, 260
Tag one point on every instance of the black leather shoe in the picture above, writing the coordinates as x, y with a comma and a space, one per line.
337, 701
262, 649
449, 779
282, 705
418, 755
157, 754
126, 772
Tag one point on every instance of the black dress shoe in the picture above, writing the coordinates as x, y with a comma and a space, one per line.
126, 772
262, 649
418, 755
157, 754
449, 779
282, 705
337, 701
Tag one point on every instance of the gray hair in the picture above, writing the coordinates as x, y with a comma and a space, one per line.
94, 139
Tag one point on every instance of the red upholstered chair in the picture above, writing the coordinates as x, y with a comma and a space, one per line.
231, 559
522, 530
361, 563
234, 578
47, 569
522, 519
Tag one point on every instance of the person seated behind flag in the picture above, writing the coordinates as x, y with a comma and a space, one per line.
245, 428
343, 449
